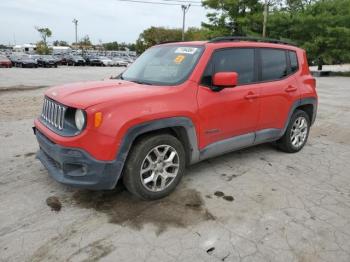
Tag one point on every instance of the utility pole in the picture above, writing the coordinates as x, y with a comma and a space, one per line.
75, 22
266, 9
184, 11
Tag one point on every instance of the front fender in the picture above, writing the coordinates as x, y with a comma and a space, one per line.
158, 124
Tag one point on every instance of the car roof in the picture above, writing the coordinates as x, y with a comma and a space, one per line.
239, 42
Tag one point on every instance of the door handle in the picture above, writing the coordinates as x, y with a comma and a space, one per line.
290, 89
251, 95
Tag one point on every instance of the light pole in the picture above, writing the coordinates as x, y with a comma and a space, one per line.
266, 10
184, 11
75, 22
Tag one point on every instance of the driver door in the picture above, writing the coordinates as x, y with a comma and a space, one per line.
231, 112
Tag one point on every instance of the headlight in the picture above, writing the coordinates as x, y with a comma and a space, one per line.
79, 119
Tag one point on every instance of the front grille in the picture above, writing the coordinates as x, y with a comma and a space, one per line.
53, 113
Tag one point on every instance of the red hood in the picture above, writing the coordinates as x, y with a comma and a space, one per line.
86, 94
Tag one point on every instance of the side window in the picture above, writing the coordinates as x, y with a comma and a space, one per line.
293, 61
273, 64
240, 60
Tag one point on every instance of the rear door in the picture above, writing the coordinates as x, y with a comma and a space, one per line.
279, 89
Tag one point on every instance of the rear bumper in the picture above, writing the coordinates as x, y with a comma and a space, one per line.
5, 64
75, 167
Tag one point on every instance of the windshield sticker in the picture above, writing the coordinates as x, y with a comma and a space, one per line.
186, 50
179, 59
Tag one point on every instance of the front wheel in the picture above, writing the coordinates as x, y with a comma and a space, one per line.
296, 133
154, 167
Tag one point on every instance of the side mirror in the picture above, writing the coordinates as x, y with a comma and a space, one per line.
225, 79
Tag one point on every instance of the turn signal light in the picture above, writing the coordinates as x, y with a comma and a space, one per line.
98, 119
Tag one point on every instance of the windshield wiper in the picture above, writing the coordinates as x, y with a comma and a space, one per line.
134, 81
140, 82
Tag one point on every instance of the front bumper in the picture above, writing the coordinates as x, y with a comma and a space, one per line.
30, 65
75, 167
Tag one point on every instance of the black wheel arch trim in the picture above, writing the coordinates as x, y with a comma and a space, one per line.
301, 102
159, 124
154, 125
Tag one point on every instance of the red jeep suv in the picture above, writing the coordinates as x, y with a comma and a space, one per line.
177, 104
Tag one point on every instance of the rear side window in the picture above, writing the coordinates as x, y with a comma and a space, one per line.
240, 60
293, 61
273, 64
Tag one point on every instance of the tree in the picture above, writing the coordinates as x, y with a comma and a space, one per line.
125, 47
60, 43
42, 48
196, 34
234, 17
44, 34
85, 41
157, 35
322, 28
4, 47
111, 46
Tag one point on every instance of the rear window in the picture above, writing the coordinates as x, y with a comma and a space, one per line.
273, 63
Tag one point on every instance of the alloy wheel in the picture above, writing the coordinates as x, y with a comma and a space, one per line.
299, 131
159, 168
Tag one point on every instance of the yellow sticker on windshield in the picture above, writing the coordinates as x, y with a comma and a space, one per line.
179, 59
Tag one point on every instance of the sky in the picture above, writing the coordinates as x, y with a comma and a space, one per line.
102, 20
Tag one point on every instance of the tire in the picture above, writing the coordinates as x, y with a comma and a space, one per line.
143, 156
298, 127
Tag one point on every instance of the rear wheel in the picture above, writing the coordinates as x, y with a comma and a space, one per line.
296, 134
154, 167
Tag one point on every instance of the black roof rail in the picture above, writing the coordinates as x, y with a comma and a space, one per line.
249, 38
168, 42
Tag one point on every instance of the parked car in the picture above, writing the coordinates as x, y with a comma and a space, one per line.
128, 59
23, 61
61, 58
177, 104
75, 60
106, 61
46, 61
93, 61
5, 62
117, 61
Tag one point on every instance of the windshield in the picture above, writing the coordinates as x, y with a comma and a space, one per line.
164, 65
